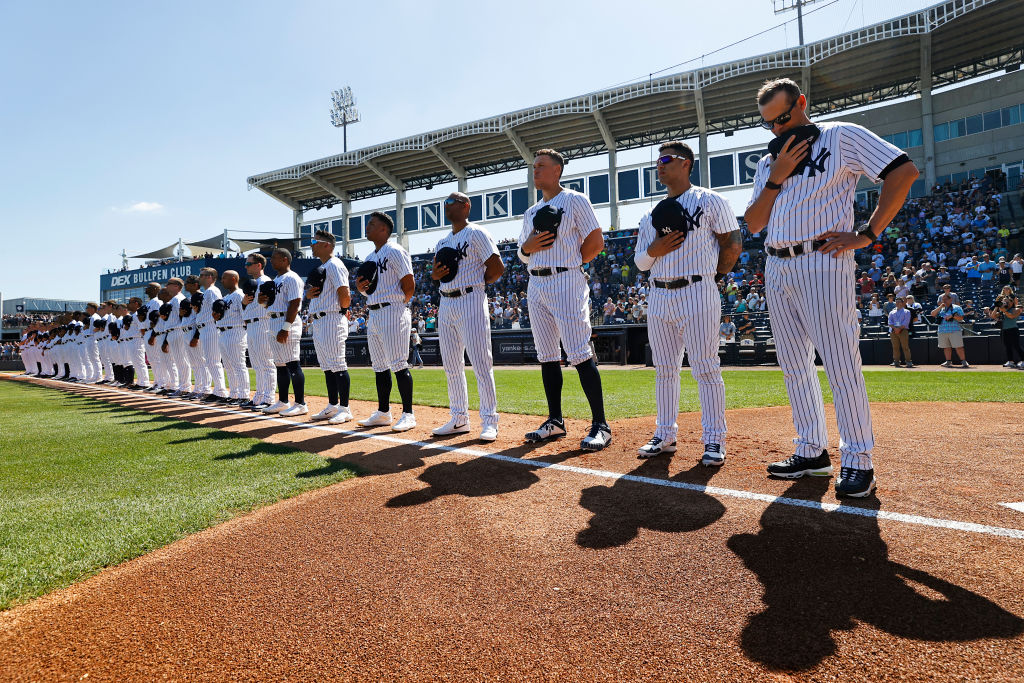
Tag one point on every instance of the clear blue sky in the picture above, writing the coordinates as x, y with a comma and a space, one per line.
129, 124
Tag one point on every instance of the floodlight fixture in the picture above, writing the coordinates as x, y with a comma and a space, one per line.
343, 111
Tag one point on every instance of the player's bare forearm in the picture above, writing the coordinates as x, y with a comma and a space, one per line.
895, 189
493, 269
293, 310
408, 287
730, 245
592, 246
344, 297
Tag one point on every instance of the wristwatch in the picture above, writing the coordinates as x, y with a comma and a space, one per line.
866, 231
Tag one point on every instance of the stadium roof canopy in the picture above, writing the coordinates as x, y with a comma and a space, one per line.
962, 38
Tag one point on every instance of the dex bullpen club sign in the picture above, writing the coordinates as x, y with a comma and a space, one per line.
160, 274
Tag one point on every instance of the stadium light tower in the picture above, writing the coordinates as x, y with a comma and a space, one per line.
787, 5
343, 111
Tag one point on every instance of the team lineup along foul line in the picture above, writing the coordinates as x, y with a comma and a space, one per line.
969, 527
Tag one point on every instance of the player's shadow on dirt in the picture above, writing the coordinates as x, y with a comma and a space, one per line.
824, 571
480, 476
625, 507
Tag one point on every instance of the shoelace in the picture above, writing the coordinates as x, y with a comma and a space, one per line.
656, 441
713, 447
851, 473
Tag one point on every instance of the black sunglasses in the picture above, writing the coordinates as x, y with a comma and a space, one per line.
781, 119
454, 200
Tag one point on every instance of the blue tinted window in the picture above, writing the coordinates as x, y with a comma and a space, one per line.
476, 209
900, 140
974, 124
652, 186
993, 119
941, 132
695, 173
412, 214
721, 171
918, 189
914, 138
957, 129
599, 189
1010, 116
519, 201
355, 228
629, 185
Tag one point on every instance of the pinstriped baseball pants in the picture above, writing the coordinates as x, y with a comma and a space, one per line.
232, 354
560, 311
261, 359
687, 320
388, 333
811, 300
463, 326
330, 332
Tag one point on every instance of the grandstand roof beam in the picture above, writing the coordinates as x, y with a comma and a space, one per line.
294, 206
527, 155
457, 169
702, 130
330, 187
613, 168
396, 184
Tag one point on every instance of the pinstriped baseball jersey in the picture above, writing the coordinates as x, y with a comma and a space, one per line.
232, 310
174, 319
393, 263
578, 221
206, 312
474, 245
337, 276
821, 198
254, 310
708, 212
289, 288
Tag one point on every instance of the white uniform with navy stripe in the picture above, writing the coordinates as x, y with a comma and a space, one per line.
261, 353
176, 342
327, 323
463, 324
231, 334
560, 303
289, 288
211, 376
137, 350
93, 366
389, 327
156, 358
189, 327
687, 319
106, 347
811, 298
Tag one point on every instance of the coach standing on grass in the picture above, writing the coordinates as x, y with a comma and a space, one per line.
804, 197
561, 233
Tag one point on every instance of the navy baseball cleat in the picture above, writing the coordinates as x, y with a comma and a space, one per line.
855, 483
551, 429
796, 466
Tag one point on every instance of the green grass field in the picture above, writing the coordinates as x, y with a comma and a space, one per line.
630, 393
85, 484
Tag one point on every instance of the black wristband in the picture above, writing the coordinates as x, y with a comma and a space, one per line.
769, 185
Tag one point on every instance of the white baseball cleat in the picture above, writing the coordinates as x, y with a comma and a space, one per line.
456, 425
327, 413
655, 447
714, 455
405, 423
343, 415
489, 433
378, 419
275, 407
296, 410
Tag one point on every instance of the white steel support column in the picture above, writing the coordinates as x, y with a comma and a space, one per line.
296, 224
346, 211
702, 128
927, 115
399, 187
527, 155
613, 170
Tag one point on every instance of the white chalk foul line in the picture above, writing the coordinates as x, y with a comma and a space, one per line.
954, 525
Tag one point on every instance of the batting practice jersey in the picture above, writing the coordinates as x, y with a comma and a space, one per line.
821, 198
474, 245
206, 312
708, 214
393, 263
337, 276
578, 221
289, 288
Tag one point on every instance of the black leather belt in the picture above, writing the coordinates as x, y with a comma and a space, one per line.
250, 322
374, 307
543, 272
200, 326
230, 327
678, 283
795, 250
453, 293
317, 316
276, 315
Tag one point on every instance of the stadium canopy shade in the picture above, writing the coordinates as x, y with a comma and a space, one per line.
962, 38
201, 247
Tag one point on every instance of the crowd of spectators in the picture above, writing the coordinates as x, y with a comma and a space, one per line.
10, 351
26, 319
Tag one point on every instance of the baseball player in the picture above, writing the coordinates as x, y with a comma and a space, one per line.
231, 331
388, 328
93, 366
176, 340
804, 196
137, 348
103, 343
152, 350
329, 299
257, 319
213, 371
285, 330
189, 311
560, 234
465, 262
158, 340
689, 242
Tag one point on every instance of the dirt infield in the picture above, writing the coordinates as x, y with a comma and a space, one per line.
448, 564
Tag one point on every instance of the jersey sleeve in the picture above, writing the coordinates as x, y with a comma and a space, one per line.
404, 264
483, 245
725, 220
292, 288
644, 237
865, 153
583, 216
760, 178
524, 235
333, 280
